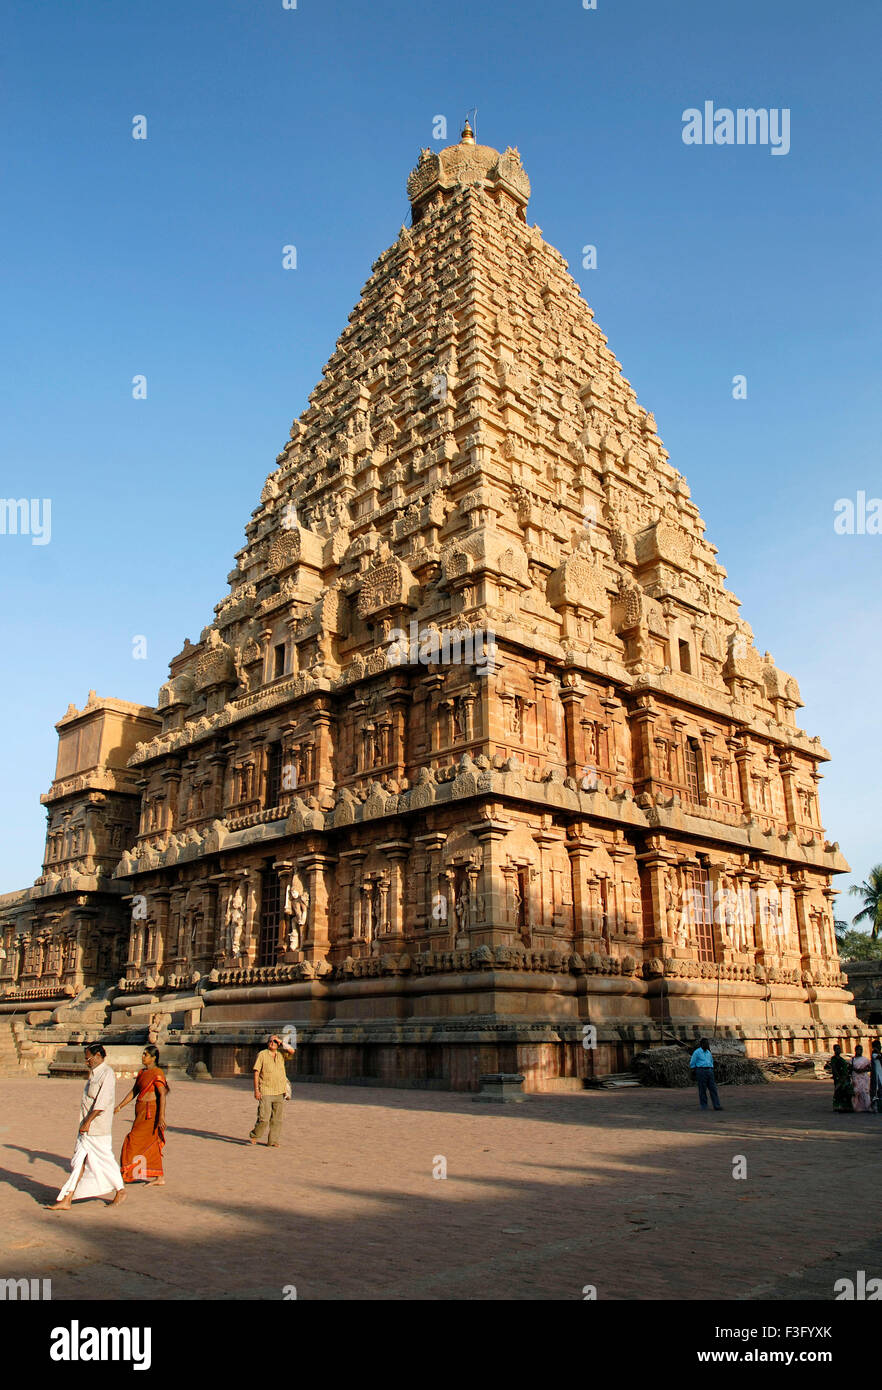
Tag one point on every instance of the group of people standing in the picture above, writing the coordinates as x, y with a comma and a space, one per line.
857, 1084
94, 1172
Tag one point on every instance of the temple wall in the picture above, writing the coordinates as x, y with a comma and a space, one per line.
477, 743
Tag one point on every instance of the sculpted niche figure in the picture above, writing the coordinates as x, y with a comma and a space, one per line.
463, 906
591, 742
17, 949
742, 925
672, 901
296, 913
235, 922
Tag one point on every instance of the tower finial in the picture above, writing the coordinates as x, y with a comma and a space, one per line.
467, 137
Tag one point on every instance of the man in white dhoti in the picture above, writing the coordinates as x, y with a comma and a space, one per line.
94, 1171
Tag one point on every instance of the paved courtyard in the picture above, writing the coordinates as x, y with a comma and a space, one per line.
631, 1191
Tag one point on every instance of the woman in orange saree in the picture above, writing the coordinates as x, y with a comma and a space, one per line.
141, 1157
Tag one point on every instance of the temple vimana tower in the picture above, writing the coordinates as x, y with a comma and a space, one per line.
476, 767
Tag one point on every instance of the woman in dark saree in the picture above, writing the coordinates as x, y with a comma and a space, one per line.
842, 1087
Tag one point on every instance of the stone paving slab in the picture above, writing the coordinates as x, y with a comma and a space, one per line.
630, 1191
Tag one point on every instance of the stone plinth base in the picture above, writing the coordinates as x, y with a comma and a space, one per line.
501, 1087
445, 1031
125, 1058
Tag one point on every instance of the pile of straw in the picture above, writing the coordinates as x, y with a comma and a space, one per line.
669, 1066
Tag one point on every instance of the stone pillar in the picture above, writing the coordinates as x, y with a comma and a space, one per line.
172, 779
383, 896
175, 927
619, 852
397, 852
468, 707
17, 956
788, 783
618, 760
810, 931
144, 815
544, 841
159, 906
774, 765
446, 732
432, 845
642, 721
251, 929
742, 928
496, 928
653, 866
355, 858
40, 956
7, 954
315, 938
369, 912
265, 655
723, 935
323, 766
433, 685
571, 697
744, 758
678, 755
136, 949
579, 848
218, 763
763, 949
210, 920
473, 872
399, 700
361, 914
545, 737
85, 963
132, 961
224, 883
707, 787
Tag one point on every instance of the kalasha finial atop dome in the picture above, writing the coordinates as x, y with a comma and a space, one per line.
468, 164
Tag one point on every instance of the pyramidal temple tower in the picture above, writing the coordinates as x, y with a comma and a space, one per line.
477, 750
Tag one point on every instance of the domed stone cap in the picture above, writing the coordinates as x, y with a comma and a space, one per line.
177, 691
467, 163
215, 665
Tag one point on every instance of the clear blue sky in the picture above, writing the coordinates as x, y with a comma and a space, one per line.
269, 126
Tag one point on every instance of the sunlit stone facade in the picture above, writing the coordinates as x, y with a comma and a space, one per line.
477, 750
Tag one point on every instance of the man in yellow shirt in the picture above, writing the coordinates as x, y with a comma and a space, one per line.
270, 1087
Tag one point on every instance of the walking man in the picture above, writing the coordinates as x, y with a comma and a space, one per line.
93, 1169
271, 1088
701, 1064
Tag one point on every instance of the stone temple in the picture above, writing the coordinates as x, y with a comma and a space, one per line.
476, 768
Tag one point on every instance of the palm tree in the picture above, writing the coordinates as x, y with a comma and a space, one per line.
872, 895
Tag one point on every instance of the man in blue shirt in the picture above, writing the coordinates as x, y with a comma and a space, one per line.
701, 1064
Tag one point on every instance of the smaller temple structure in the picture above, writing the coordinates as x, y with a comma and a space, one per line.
865, 982
69, 931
